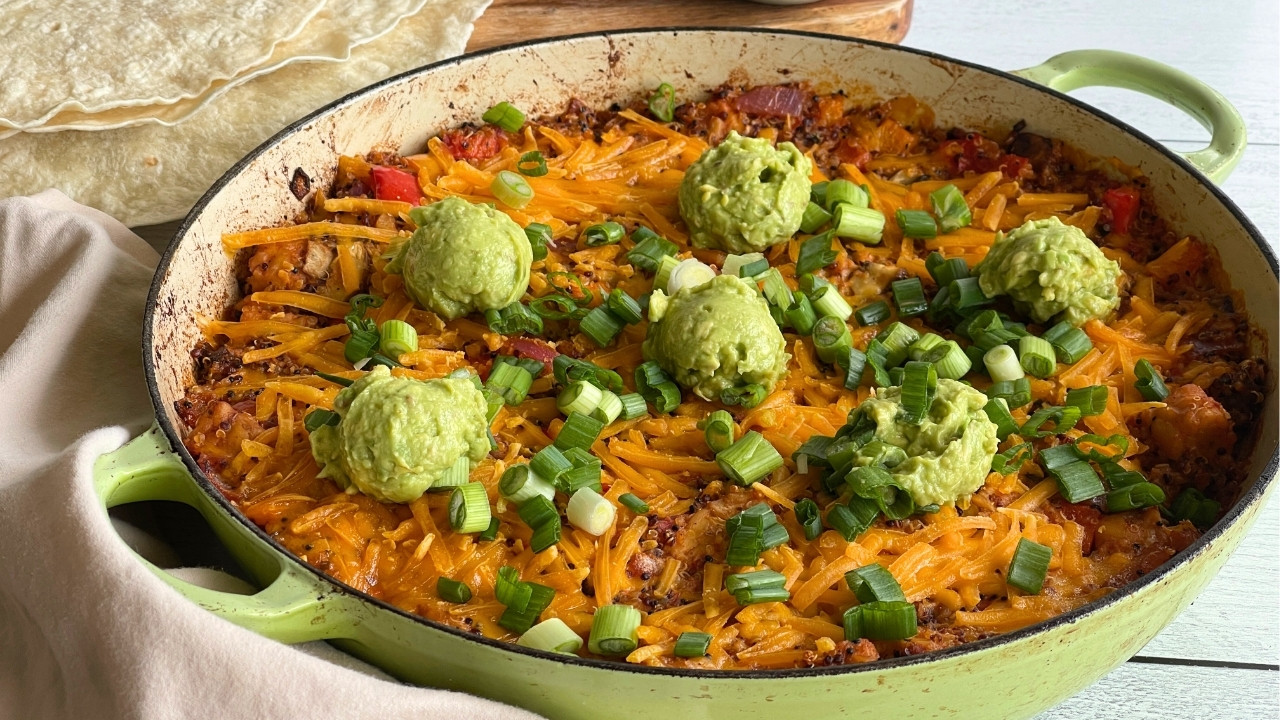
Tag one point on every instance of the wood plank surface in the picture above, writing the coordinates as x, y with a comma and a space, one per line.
508, 21
1144, 691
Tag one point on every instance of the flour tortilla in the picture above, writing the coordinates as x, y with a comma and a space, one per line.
329, 37
149, 173
92, 55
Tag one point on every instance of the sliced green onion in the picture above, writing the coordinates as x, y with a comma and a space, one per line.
1003, 365
860, 223
816, 252
579, 430
762, 595
1036, 356
880, 621
949, 360
512, 382
919, 385
1091, 400
634, 504
551, 635
1059, 455
991, 339
802, 316
827, 302
633, 406
1012, 459
539, 235
1134, 497
521, 621
923, 344
844, 192
567, 370
947, 270
1077, 481
538, 511
897, 339
916, 224
545, 536
605, 233
613, 630
452, 591
532, 164
624, 306
776, 290
818, 192
504, 115
876, 484
854, 364
754, 580
609, 408
590, 512
1149, 382
601, 325
657, 387
809, 518
490, 533
519, 484
319, 418
874, 582
347, 382
908, 295
965, 295
876, 312
364, 337
1015, 393
469, 508
662, 103
814, 451
458, 474
398, 338
688, 274
511, 189
514, 319
753, 268
380, 359
1191, 504
733, 264
841, 519
749, 459
1030, 566
649, 250
882, 454
554, 307
949, 205
746, 542
1063, 417
1069, 342
548, 464
998, 412
831, 338
509, 591
692, 644
718, 429
580, 457
877, 358
814, 217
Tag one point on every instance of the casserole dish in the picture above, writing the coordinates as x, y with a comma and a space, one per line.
1020, 673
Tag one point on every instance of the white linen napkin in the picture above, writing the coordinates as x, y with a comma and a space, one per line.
86, 631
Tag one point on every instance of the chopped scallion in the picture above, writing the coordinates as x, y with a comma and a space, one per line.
718, 430
539, 235
876, 312
916, 224
613, 630
452, 591
860, 223
532, 164
843, 192
579, 430
605, 233
816, 252
950, 208
749, 459
814, 217
874, 582
809, 518
633, 406
469, 508
634, 504
551, 635
1091, 400
601, 325
691, 644
504, 115
662, 103
649, 250
590, 512
831, 338
519, 484
1002, 365
1036, 356
511, 189
1029, 566
1149, 383
1077, 481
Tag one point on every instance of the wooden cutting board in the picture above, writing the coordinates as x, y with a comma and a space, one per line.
509, 21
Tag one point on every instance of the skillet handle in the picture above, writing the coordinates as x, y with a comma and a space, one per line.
1084, 68
294, 607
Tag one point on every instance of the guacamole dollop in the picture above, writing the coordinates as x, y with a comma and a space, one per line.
948, 456
1051, 270
463, 258
744, 195
715, 336
397, 436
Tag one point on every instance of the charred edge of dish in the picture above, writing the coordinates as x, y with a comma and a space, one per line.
1252, 496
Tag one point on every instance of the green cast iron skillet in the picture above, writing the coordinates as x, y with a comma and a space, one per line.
1013, 675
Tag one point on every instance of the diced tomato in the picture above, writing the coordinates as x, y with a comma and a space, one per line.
393, 184
1123, 203
477, 144
982, 155
1087, 517
534, 349
851, 152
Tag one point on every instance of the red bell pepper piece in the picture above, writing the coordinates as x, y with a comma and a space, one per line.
393, 184
1123, 203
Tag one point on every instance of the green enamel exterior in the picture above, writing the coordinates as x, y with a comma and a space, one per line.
1085, 68
1009, 680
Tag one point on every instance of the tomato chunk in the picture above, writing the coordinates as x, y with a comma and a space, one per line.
1123, 203
393, 184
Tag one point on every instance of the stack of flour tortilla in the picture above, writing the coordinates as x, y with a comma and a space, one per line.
135, 107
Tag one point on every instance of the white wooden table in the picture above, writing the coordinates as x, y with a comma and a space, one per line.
1219, 659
